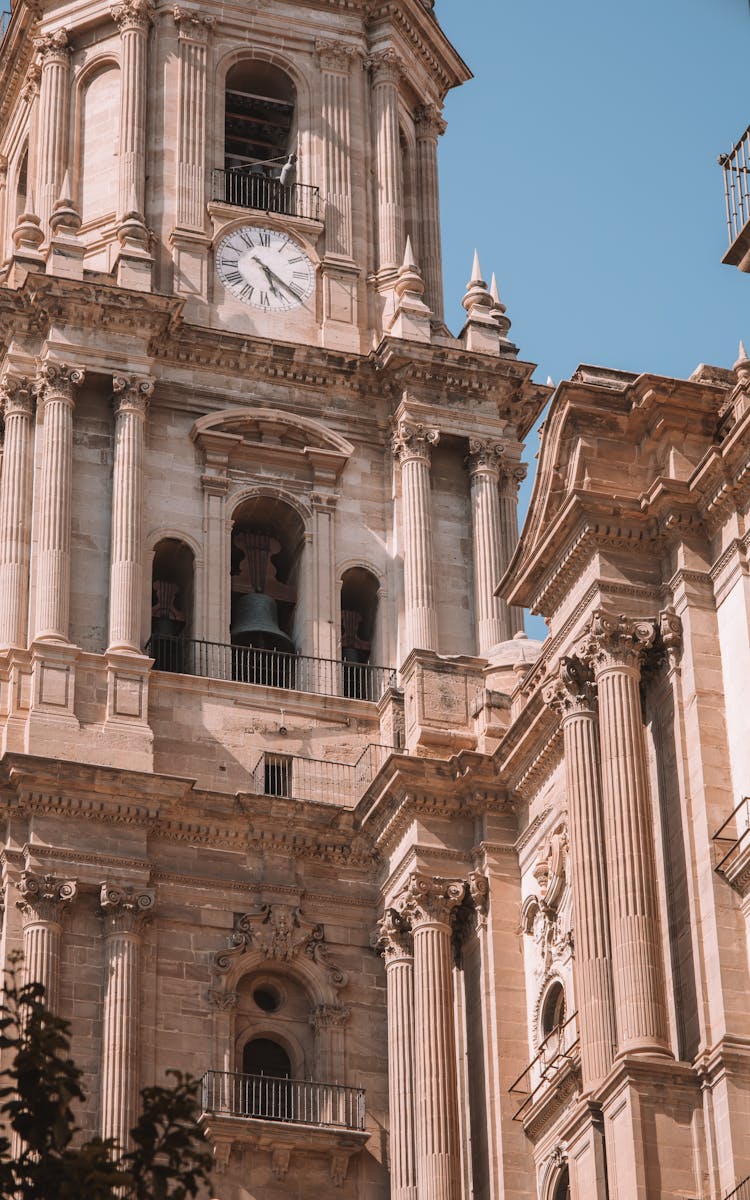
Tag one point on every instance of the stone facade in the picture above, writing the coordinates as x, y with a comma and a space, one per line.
290, 801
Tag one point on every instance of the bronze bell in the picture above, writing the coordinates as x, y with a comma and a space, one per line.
255, 623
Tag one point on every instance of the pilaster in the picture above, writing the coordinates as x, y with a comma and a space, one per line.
430, 126
394, 942
386, 70
133, 19
412, 443
131, 398
52, 135
512, 476
17, 402
491, 613
42, 904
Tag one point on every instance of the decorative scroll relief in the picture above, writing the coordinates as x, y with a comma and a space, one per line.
546, 917
133, 14
429, 122
414, 440
573, 690
44, 898
125, 909
484, 455
615, 641
278, 932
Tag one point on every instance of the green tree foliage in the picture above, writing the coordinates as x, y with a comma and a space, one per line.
38, 1094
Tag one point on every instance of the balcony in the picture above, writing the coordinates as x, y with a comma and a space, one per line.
318, 779
270, 668
284, 1117
736, 167
740, 1192
254, 188
550, 1078
732, 848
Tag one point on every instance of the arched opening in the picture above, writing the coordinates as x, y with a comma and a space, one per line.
268, 1070
171, 605
267, 542
359, 606
22, 184
259, 135
553, 1009
562, 1189
97, 150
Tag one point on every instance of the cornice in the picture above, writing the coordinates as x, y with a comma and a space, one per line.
16, 53
260, 888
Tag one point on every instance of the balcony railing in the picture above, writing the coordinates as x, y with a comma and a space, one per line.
731, 841
255, 189
559, 1050
741, 1192
317, 779
300, 1101
736, 166
270, 668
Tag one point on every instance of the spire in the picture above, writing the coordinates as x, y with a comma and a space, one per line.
477, 296
742, 356
476, 270
411, 319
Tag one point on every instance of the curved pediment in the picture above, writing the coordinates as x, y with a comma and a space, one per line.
272, 428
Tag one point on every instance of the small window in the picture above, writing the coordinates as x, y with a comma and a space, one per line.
562, 1191
258, 116
553, 1009
277, 775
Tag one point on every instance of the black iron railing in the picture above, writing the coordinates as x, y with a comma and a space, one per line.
732, 839
296, 1100
736, 166
270, 668
741, 1192
559, 1050
317, 779
255, 189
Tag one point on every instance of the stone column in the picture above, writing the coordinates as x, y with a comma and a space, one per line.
52, 127
133, 18
395, 944
193, 30
15, 510
511, 478
42, 904
132, 395
125, 913
56, 386
614, 648
428, 904
324, 631
572, 696
387, 68
429, 126
491, 613
336, 61
411, 446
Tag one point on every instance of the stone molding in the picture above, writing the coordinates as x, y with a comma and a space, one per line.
330, 1016
53, 46
58, 380
132, 393
133, 15
125, 909
44, 898
16, 396
413, 440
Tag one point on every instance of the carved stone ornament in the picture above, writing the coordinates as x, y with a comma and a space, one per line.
16, 398
573, 690
53, 46
278, 931
512, 476
330, 1016
392, 937
336, 56
133, 14
429, 122
670, 634
44, 898
428, 898
614, 640
132, 393
125, 909
387, 66
58, 380
30, 89
280, 1156
550, 869
192, 24
223, 1001
484, 455
413, 440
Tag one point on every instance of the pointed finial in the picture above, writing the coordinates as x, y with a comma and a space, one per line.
493, 289
742, 366
742, 356
550, 381
66, 191
410, 262
476, 270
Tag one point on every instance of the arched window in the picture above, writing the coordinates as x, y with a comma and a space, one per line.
562, 1190
259, 135
359, 606
262, 1056
553, 1009
268, 1092
22, 184
171, 605
97, 155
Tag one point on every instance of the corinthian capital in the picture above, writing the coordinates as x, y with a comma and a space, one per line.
58, 380
133, 14
125, 909
429, 122
392, 938
44, 898
336, 56
512, 476
191, 24
387, 66
484, 455
132, 393
53, 45
615, 641
573, 690
16, 397
414, 441
427, 898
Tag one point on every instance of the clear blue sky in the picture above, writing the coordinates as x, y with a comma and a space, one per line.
581, 161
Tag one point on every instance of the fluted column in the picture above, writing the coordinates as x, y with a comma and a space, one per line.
52, 126
336, 62
133, 18
193, 31
56, 386
511, 478
395, 944
429, 126
614, 648
411, 446
15, 510
125, 913
491, 613
428, 904
42, 904
572, 696
387, 68
125, 583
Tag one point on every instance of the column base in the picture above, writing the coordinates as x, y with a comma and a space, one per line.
340, 277
15, 698
51, 721
127, 706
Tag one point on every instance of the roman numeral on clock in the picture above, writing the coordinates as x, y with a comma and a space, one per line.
234, 278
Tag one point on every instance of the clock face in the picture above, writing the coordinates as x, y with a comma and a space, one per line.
265, 268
